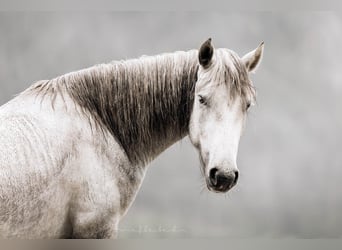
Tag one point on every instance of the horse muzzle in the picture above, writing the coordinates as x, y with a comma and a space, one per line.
221, 181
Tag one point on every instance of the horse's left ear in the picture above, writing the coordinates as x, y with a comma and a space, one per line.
253, 58
205, 53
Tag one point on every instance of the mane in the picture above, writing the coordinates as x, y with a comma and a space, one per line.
144, 103
241, 83
232, 71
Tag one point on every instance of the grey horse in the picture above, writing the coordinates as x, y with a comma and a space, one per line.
75, 149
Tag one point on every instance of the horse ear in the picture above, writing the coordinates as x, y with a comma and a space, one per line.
205, 53
252, 59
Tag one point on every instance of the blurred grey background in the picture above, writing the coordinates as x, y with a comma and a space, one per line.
289, 157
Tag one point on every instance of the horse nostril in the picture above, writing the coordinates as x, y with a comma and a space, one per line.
236, 173
213, 176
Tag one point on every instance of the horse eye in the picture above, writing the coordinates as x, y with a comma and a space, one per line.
202, 100
248, 106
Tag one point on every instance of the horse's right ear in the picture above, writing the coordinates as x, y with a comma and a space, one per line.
205, 53
253, 58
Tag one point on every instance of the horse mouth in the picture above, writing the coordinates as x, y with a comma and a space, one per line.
219, 189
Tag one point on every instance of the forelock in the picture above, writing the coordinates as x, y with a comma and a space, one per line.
229, 69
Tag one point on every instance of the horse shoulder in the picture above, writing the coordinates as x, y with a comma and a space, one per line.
36, 149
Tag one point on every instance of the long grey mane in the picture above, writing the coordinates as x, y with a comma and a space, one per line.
144, 103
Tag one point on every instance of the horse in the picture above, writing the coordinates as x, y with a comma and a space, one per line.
75, 149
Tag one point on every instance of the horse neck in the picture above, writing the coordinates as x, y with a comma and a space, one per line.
144, 103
